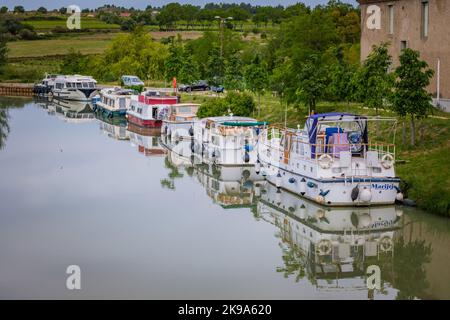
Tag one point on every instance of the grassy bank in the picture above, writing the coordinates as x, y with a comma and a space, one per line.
424, 168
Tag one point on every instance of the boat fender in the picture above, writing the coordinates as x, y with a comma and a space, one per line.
365, 195
320, 199
355, 193
278, 181
324, 247
192, 146
257, 166
291, 180
324, 193
246, 174
303, 187
311, 184
246, 157
387, 161
399, 196
191, 131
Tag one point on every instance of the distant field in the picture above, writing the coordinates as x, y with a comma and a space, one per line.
86, 23
39, 48
91, 43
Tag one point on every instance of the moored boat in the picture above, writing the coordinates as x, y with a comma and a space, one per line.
180, 120
226, 140
114, 102
46, 86
331, 161
75, 87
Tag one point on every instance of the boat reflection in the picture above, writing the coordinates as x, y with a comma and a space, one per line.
146, 139
115, 128
329, 246
68, 111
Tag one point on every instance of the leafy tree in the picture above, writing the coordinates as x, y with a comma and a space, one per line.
410, 96
234, 79
373, 79
240, 104
215, 67
42, 10
256, 78
3, 51
63, 10
4, 9
4, 126
174, 62
189, 70
19, 9
128, 24
74, 63
312, 82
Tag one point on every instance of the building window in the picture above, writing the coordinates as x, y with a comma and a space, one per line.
391, 18
403, 45
425, 16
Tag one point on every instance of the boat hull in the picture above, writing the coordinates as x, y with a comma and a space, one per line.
75, 94
149, 123
108, 112
335, 191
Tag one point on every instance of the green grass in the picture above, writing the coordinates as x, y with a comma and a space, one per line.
30, 70
86, 44
86, 23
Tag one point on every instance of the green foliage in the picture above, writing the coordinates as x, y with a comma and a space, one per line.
234, 78
312, 82
134, 53
410, 95
19, 9
239, 104
3, 52
3, 9
373, 81
74, 63
256, 76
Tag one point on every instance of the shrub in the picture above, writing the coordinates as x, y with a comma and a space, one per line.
240, 104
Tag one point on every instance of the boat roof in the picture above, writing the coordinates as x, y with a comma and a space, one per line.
117, 91
75, 78
335, 116
230, 119
186, 104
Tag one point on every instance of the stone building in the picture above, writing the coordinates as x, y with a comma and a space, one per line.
422, 25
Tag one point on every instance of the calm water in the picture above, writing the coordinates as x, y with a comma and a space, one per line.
142, 222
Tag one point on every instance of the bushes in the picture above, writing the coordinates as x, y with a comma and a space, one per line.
239, 104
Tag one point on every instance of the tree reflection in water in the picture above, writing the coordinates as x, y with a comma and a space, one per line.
4, 127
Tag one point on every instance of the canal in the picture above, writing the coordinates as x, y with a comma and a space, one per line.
141, 221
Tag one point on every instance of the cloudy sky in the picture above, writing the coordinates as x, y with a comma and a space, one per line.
51, 4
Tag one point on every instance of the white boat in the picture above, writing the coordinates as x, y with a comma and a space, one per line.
228, 140
331, 161
333, 246
73, 111
151, 107
180, 120
46, 86
114, 102
75, 87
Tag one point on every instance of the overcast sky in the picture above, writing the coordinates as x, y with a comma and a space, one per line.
51, 4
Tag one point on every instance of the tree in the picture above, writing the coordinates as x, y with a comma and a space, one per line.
189, 70
19, 9
174, 62
410, 96
256, 78
3, 51
240, 104
4, 9
42, 10
312, 83
374, 82
234, 79
63, 10
74, 63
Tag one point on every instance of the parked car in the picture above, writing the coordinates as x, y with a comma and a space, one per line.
217, 89
131, 81
200, 85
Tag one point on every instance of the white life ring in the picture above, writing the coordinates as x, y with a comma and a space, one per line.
386, 244
324, 247
387, 161
325, 161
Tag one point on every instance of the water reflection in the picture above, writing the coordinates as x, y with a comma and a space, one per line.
68, 111
331, 247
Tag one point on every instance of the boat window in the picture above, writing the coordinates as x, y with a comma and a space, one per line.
85, 85
69, 85
79, 85
184, 109
91, 85
59, 85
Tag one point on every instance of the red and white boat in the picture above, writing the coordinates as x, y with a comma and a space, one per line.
151, 108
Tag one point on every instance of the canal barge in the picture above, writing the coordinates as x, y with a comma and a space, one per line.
114, 102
